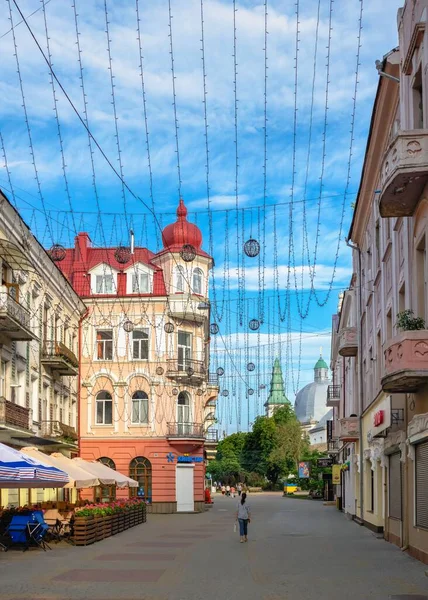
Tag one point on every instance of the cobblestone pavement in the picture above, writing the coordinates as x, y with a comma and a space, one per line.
298, 549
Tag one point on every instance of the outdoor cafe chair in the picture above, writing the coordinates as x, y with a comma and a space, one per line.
18, 532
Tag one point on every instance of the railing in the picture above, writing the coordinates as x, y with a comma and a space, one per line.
11, 308
14, 415
58, 429
185, 430
213, 379
333, 446
333, 392
211, 435
60, 350
188, 367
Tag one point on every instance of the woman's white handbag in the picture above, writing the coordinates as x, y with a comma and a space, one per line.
235, 527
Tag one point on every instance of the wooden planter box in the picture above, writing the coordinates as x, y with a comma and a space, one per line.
121, 522
114, 524
99, 524
85, 531
127, 520
107, 521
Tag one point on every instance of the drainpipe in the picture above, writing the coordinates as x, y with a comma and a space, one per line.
360, 375
405, 504
79, 376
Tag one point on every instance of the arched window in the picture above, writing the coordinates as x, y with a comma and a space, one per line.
179, 283
105, 493
140, 469
183, 413
104, 408
197, 281
140, 408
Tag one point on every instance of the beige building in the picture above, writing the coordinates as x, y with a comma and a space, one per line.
380, 363
39, 323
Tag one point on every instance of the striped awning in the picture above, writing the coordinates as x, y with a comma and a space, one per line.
18, 470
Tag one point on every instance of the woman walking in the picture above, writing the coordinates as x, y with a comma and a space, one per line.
243, 514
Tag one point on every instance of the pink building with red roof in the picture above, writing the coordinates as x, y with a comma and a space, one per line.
147, 401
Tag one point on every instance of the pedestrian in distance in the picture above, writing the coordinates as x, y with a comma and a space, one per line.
228, 490
232, 491
239, 488
243, 514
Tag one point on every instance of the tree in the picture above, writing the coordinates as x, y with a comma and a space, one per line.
259, 445
231, 447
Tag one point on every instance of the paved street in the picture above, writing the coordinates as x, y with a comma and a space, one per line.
298, 549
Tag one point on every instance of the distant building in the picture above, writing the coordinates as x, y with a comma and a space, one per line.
318, 434
277, 397
310, 401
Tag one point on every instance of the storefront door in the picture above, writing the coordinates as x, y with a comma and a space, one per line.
184, 488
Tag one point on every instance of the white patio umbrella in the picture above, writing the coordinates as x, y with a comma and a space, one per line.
105, 474
78, 478
18, 470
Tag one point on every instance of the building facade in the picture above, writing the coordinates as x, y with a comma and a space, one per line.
310, 400
39, 323
147, 400
380, 358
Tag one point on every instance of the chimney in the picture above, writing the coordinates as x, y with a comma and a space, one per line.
81, 244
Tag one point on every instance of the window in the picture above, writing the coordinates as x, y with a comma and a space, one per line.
140, 344
394, 491
2, 378
418, 101
105, 493
402, 298
184, 350
140, 283
421, 277
140, 469
377, 243
140, 408
104, 408
179, 284
183, 413
421, 482
104, 284
105, 344
197, 281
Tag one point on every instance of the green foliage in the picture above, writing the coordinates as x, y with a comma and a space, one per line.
407, 322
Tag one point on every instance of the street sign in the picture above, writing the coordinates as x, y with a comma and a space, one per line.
324, 462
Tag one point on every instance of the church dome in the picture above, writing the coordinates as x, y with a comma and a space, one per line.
310, 404
177, 234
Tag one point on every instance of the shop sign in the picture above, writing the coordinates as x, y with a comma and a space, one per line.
324, 462
381, 419
336, 474
185, 458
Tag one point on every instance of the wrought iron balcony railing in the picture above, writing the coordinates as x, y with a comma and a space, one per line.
14, 319
56, 429
211, 435
60, 358
185, 430
14, 415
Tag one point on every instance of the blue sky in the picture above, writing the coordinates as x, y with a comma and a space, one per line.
55, 223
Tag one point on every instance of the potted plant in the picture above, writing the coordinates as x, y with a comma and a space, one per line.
407, 322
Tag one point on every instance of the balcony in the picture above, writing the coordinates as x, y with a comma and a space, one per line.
333, 446
189, 371
349, 429
348, 341
59, 358
333, 396
185, 308
14, 416
404, 173
211, 436
57, 430
185, 431
406, 362
14, 319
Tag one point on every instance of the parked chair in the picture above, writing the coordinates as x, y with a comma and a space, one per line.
18, 531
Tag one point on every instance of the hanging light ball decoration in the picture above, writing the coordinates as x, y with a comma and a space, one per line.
214, 328
159, 371
122, 254
199, 392
251, 248
188, 252
225, 393
250, 391
220, 371
262, 386
254, 324
175, 391
251, 366
57, 253
128, 326
169, 327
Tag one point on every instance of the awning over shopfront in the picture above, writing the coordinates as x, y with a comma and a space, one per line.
78, 477
106, 475
19, 470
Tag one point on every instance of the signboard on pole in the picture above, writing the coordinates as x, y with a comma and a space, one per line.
336, 474
304, 468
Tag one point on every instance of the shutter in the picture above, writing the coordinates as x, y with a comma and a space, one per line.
394, 495
421, 470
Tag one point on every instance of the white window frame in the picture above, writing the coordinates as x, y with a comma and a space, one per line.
102, 344
104, 284
134, 276
198, 275
3, 367
103, 402
179, 279
140, 421
138, 287
139, 342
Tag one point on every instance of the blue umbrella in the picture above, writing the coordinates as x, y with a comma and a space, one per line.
17, 470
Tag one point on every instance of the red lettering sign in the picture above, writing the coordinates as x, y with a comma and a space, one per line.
378, 418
